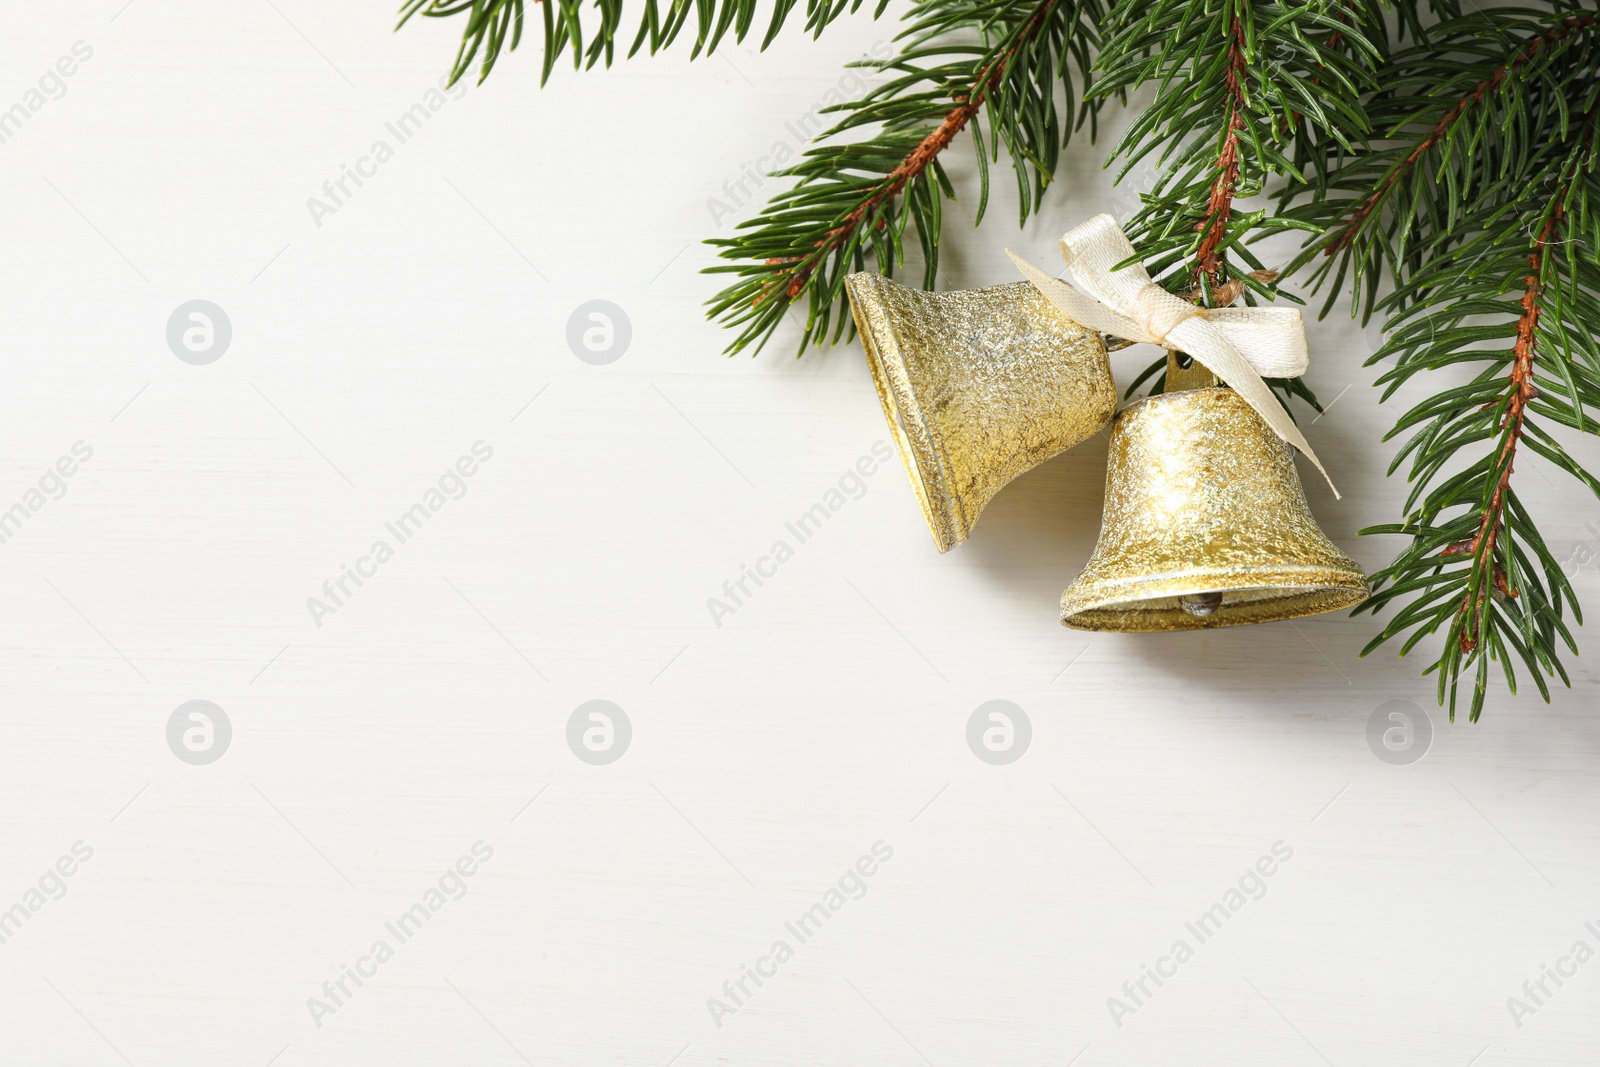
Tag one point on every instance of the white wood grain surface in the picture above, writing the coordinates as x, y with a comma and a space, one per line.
768, 754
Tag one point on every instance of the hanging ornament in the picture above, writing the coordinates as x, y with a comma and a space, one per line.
1205, 523
978, 386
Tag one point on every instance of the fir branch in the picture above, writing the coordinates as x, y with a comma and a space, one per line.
493, 27
912, 167
1513, 424
1340, 238
1239, 85
855, 200
1471, 574
1476, 205
792, 279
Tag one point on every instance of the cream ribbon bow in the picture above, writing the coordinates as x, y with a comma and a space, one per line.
1238, 345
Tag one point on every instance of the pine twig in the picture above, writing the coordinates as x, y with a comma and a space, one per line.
909, 169
1344, 234
494, 27
1481, 190
854, 200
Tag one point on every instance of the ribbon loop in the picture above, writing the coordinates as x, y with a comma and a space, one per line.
1238, 345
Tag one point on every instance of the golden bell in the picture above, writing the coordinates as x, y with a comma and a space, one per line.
978, 386
1205, 525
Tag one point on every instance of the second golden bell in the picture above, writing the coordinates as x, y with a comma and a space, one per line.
1205, 525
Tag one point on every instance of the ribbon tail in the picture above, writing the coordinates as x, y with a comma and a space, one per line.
1081, 309
1205, 343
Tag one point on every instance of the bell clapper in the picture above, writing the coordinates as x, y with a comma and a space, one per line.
1200, 604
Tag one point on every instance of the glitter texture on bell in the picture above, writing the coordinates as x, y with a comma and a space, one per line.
978, 386
1205, 524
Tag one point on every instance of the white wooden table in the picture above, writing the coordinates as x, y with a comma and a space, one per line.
611, 907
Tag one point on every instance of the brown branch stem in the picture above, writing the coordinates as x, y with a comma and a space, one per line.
1524, 355
915, 163
1524, 352
1213, 226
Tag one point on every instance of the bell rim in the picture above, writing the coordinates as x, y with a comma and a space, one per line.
1307, 590
903, 410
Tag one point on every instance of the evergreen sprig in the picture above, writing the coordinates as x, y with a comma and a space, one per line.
1241, 86
494, 27
963, 62
1476, 207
